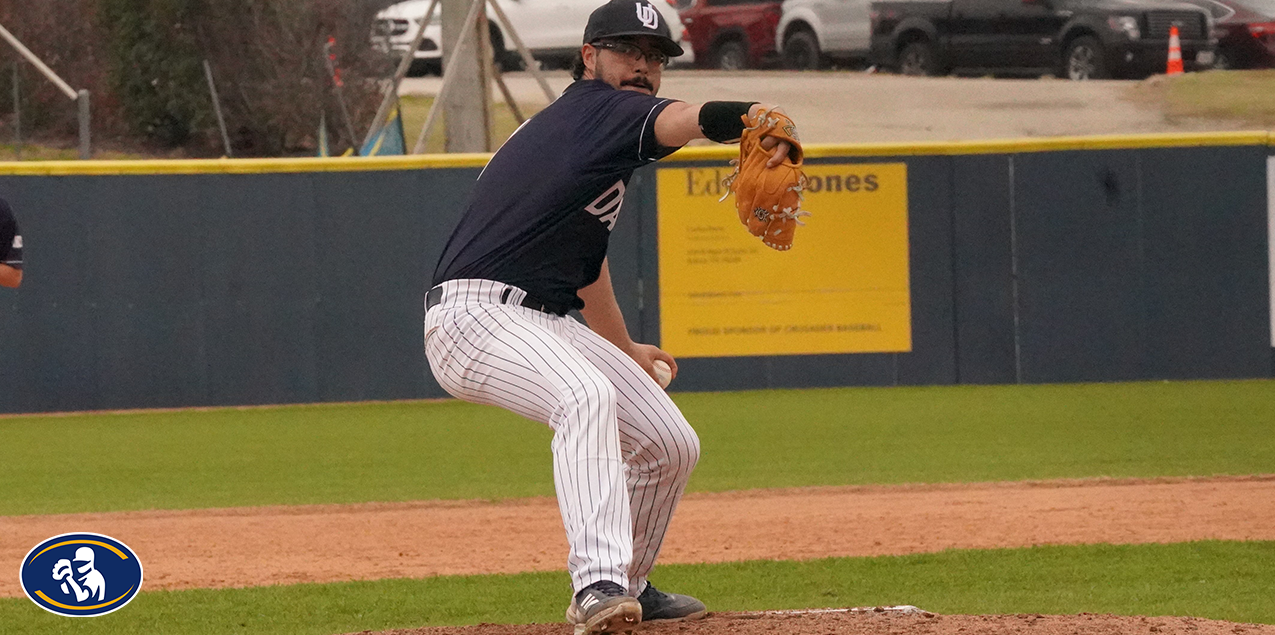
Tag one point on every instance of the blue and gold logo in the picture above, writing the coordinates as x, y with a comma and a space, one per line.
81, 574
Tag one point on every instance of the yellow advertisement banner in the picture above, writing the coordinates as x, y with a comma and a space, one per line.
842, 288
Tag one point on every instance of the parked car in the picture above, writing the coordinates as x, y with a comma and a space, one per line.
732, 34
811, 32
1078, 39
551, 29
1245, 31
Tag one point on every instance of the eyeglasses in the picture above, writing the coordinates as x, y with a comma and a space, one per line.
634, 52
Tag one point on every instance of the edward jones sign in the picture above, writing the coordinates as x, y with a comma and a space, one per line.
843, 288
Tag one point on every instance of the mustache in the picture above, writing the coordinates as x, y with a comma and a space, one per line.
640, 82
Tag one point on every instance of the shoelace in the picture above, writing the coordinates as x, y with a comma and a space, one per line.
729, 180
791, 212
763, 118
608, 587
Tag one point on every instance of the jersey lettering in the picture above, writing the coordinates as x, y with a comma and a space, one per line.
607, 206
649, 15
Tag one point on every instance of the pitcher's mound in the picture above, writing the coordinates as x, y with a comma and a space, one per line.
883, 622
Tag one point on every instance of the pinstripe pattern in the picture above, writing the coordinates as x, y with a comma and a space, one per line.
622, 451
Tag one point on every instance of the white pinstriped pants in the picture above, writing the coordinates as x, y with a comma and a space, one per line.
622, 451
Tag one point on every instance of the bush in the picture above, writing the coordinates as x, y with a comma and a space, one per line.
155, 67
143, 62
267, 58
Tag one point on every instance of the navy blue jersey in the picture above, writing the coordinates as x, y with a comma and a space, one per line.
10, 238
544, 207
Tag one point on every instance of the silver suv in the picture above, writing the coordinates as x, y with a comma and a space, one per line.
552, 29
812, 32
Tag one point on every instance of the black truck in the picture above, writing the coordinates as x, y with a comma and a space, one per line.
1078, 39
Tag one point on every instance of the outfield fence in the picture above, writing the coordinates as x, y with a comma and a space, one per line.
228, 282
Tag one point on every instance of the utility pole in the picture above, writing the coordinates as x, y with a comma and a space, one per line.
475, 105
467, 104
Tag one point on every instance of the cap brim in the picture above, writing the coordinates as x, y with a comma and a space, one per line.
668, 46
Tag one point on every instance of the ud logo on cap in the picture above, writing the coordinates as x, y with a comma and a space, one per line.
649, 15
82, 574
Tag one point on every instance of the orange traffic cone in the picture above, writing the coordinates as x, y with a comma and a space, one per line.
1175, 53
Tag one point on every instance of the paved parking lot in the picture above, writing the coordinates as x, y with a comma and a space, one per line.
847, 107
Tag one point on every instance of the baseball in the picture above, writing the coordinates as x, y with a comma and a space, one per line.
663, 374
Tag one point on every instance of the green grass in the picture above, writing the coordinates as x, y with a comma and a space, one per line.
982, 433
415, 451
1219, 580
1240, 96
416, 109
44, 152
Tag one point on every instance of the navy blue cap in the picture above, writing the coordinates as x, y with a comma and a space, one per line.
619, 18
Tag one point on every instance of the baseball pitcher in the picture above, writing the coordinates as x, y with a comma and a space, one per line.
531, 246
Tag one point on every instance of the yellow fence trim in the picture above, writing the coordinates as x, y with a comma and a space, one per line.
1000, 146
243, 166
697, 153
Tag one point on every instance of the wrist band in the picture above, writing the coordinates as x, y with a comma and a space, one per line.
722, 121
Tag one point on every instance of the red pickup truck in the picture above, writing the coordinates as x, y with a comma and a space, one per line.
732, 34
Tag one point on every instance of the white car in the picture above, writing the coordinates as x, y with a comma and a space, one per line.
813, 31
551, 29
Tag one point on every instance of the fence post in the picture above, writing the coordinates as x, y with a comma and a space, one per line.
86, 142
329, 58
221, 121
17, 115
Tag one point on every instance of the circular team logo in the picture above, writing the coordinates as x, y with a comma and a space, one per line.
81, 574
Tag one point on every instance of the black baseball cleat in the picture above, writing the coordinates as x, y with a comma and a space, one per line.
658, 605
604, 607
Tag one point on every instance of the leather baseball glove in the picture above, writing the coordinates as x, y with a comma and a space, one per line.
768, 199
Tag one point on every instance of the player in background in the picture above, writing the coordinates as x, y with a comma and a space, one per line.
10, 248
530, 247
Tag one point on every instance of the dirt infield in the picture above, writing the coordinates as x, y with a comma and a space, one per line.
239, 547
843, 623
